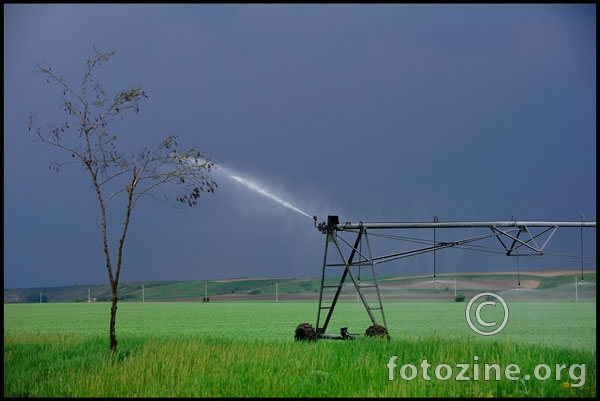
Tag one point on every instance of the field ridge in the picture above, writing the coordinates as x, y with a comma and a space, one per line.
307, 288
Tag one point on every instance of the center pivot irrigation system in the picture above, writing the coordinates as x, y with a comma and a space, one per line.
527, 238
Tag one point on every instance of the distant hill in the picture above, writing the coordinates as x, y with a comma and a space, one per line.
535, 282
164, 290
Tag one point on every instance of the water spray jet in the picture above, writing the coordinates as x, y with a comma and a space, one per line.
263, 191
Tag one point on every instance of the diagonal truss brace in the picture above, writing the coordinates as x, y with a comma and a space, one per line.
347, 264
529, 243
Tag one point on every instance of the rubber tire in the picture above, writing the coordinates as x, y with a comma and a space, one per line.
377, 331
305, 332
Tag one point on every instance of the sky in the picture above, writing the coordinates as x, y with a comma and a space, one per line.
374, 113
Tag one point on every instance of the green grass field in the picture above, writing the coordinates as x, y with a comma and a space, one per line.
246, 349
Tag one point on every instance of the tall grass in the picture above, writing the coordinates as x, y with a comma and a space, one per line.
233, 349
78, 366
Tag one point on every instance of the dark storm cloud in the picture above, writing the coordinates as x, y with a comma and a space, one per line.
373, 112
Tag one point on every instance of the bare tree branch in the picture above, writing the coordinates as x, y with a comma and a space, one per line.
85, 139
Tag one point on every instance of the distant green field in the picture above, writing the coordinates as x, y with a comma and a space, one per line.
552, 322
549, 286
243, 349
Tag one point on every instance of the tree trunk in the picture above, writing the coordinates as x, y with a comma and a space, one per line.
115, 280
113, 318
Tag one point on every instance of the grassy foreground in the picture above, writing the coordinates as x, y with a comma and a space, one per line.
233, 349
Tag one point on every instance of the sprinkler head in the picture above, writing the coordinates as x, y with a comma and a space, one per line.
316, 226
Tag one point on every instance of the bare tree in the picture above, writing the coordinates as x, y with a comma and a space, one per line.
119, 178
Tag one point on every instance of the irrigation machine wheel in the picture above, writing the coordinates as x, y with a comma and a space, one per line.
377, 331
305, 332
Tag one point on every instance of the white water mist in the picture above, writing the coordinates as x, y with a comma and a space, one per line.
268, 194
263, 191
